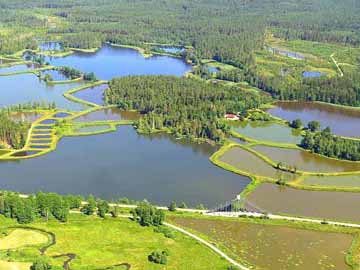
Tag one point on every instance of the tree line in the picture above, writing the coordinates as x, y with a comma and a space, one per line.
325, 143
187, 107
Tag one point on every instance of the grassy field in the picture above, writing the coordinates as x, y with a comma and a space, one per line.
101, 243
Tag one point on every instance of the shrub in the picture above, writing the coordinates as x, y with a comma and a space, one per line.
159, 258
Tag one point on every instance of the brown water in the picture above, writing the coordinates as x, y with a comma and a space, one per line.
269, 247
333, 181
108, 114
306, 161
320, 204
249, 162
342, 121
25, 116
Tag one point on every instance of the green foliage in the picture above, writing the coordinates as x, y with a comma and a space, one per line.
26, 209
187, 107
183, 205
172, 207
90, 76
314, 126
12, 133
90, 207
167, 232
158, 257
74, 201
40, 264
325, 143
103, 208
148, 215
70, 72
297, 123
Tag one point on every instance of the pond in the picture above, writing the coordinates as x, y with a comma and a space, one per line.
91, 129
312, 74
108, 166
25, 88
55, 75
212, 69
306, 161
18, 68
333, 181
171, 49
317, 204
50, 46
110, 62
108, 114
25, 116
249, 162
267, 131
293, 55
275, 247
342, 121
93, 94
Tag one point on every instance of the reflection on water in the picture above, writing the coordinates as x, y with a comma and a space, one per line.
342, 121
320, 204
157, 167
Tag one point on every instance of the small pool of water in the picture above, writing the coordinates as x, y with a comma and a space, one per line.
17, 68
92, 129
312, 74
267, 131
212, 69
293, 55
55, 75
50, 46
170, 49
61, 115
25, 116
92, 94
108, 114
246, 161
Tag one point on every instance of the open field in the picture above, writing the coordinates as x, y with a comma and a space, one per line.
271, 247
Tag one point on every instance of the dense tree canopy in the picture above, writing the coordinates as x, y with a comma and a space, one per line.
187, 107
12, 133
325, 143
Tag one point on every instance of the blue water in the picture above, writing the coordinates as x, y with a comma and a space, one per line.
312, 74
24, 88
50, 46
123, 163
110, 62
172, 49
55, 74
212, 69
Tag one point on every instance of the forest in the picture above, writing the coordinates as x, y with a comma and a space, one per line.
12, 133
325, 143
187, 107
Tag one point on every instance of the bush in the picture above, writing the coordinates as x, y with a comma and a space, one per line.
168, 233
159, 258
148, 215
40, 264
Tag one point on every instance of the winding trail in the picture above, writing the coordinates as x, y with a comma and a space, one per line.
337, 65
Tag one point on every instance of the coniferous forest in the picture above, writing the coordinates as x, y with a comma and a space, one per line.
187, 107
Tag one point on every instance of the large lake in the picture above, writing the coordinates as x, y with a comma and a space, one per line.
342, 121
110, 62
123, 163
